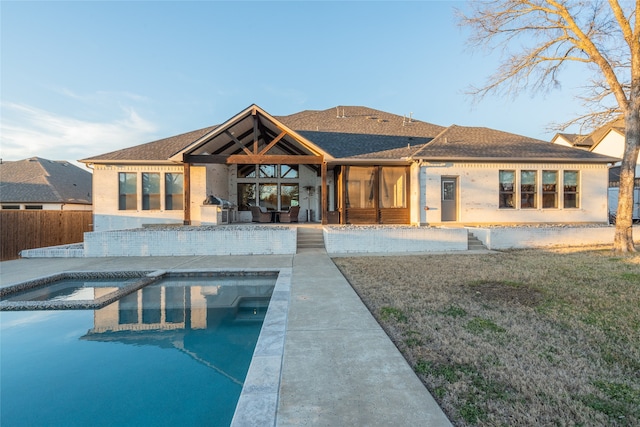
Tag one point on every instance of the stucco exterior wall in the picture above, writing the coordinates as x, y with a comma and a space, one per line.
192, 241
105, 199
541, 237
379, 239
478, 194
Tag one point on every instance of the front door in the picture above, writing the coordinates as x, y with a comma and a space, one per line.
449, 198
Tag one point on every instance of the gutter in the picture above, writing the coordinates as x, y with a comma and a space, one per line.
606, 160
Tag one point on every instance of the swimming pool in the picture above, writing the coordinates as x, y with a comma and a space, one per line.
173, 352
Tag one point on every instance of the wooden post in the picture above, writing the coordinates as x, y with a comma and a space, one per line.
187, 193
323, 192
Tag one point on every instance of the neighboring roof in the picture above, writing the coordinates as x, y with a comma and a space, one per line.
351, 133
37, 180
480, 143
591, 140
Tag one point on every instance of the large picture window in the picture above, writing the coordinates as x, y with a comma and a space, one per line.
274, 187
150, 191
549, 189
571, 189
173, 191
127, 191
507, 188
528, 190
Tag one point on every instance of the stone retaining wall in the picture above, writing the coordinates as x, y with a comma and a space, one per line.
389, 239
540, 237
190, 241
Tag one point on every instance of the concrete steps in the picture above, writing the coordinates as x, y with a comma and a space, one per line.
473, 243
310, 238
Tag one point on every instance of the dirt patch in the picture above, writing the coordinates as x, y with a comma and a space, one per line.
506, 292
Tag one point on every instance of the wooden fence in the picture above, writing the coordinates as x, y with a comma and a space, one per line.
22, 229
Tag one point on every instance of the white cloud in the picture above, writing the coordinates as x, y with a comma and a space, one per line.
27, 131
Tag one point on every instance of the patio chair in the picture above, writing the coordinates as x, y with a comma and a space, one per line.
291, 215
260, 214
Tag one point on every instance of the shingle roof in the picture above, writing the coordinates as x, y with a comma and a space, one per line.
359, 120
37, 180
159, 150
356, 132
591, 140
480, 143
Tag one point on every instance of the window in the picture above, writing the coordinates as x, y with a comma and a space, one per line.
33, 207
392, 187
288, 171
289, 196
12, 207
128, 198
549, 189
448, 190
570, 180
506, 188
528, 190
360, 187
246, 171
173, 189
274, 187
246, 196
150, 191
268, 171
268, 196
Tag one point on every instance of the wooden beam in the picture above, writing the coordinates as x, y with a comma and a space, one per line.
238, 143
275, 159
187, 194
206, 158
256, 136
323, 193
272, 143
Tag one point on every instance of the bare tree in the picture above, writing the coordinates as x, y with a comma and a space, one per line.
551, 34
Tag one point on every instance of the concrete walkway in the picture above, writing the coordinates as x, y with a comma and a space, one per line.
339, 367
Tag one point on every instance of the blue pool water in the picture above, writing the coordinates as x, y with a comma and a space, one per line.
70, 290
172, 353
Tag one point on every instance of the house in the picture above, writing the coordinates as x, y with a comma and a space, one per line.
608, 140
42, 184
349, 165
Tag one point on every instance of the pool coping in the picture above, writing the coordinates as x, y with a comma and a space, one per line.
145, 278
258, 403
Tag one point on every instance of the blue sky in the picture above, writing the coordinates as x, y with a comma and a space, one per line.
80, 79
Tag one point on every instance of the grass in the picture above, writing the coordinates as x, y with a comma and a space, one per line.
526, 337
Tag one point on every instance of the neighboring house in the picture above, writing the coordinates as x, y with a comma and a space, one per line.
349, 165
42, 184
608, 140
